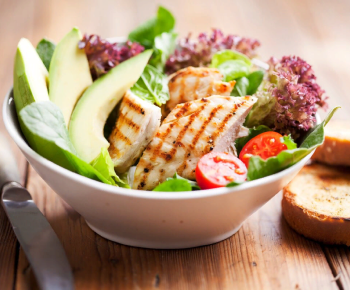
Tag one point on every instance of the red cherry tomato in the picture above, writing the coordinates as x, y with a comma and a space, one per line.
265, 145
217, 169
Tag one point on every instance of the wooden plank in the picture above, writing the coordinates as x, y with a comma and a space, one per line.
339, 260
264, 254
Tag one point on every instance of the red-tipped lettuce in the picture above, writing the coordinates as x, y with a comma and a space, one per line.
199, 52
103, 55
289, 98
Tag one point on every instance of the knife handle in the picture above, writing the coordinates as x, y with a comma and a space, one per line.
8, 166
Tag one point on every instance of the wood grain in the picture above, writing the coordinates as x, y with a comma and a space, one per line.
265, 253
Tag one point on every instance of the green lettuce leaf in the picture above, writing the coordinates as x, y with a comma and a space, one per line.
255, 79
177, 183
259, 168
261, 108
43, 126
224, 55
164, 46
234, 183
104, 164
241, 87
146, 33
173, 185
193, 184
152, 86
288, 140
45, 49
233, 69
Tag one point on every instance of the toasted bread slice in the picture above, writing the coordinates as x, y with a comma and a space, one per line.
336, 147
316, 204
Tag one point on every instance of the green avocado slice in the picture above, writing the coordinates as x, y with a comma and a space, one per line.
69, 73
93, 108
30, 79
30, 76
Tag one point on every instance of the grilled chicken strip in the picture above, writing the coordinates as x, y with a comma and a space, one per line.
190, 131
136, 125
194, 83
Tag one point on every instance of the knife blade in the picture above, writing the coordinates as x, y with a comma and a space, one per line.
34, 233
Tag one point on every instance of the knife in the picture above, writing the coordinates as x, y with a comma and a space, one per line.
34, 233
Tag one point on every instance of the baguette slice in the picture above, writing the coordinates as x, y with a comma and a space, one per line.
316, 204
336, 147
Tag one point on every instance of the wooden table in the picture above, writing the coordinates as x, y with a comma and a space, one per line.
265, 253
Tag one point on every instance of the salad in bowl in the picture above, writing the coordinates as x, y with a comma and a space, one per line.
157, 112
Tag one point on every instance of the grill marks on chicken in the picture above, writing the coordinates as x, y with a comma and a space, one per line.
137, 123
193, 83
190, 131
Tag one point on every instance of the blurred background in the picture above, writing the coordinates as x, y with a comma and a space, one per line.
316, 30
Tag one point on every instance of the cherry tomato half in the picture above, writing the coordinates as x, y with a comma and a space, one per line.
217, 169
265, 145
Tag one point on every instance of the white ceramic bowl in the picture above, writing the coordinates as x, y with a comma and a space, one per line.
162, 220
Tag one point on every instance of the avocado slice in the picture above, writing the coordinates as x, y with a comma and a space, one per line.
30, 76
30, 86
69, 73
93, 108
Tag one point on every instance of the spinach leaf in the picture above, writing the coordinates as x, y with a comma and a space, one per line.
194, 184
225, 55
259, 168
43, 126
241, 87
255, 131
146, 33
45, 49
233, 69
177, 183
234, 183
255, 79
173, 185
152, 86
164, 46
104, 164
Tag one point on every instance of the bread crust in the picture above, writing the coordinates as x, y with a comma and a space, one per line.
325, 229
308, 222
336, 147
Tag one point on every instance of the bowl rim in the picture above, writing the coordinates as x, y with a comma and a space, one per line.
22, 144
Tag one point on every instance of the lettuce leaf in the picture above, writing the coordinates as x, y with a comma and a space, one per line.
288, 140
241, 87
234, 183
43, 126
233, 69
172, 185
177, 183
45, 49
164, 46
152, 86
104, 164
146, 33
233, 65
255, 79
288, 99
259, 168
224, 55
